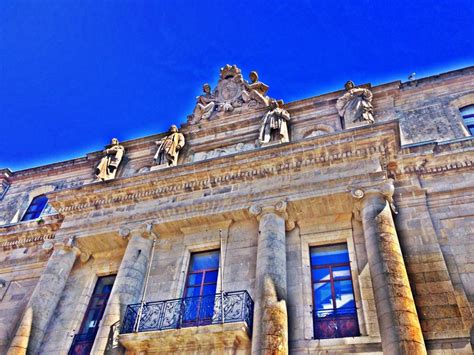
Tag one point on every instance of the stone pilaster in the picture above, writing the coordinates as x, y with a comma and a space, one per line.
129, 282
271, 268
400, 328
44, 300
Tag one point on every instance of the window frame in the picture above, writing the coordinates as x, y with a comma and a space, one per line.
30, 205
198, 321
468, 118
331, 282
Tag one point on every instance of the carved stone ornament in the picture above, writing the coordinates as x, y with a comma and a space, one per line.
386, 189
169, 148
107, 168
233, 94
355, 105
279, 208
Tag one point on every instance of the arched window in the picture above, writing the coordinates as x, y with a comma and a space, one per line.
468, 117
35, 208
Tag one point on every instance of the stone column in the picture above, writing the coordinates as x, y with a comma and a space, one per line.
44, 300
400, 328
129, 282
271, 268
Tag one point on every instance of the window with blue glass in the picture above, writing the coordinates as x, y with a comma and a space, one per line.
200, 290
334, 310
468, 117
35, 208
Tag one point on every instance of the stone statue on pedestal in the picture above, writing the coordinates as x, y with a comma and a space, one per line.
355, 105
109, 164
274, 126
169, 147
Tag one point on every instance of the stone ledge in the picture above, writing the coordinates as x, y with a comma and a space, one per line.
193, 339
340, 344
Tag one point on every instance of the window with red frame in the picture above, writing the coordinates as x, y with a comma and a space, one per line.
334, 310
200, 290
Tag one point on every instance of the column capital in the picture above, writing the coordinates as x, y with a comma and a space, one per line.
69, 245
279, 208
361, 195
144, 230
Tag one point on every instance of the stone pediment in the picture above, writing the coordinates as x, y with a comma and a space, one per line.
232, 95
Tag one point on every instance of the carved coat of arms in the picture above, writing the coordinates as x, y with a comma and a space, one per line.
232, 94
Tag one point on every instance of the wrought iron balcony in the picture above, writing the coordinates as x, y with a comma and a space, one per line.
228, 307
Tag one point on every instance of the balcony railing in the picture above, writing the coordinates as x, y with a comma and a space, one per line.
229, 307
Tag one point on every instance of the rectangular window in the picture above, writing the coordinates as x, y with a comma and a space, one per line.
334, 311
84, 340
200, 289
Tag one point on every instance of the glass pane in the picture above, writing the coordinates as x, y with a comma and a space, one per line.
97, 305
332, 254
192, 291
323, 296
35, 208
211, 276
344, 295
194, 279
205, 261
468, 110
104, 285
209, 289
341, 272
207, 307
321, 274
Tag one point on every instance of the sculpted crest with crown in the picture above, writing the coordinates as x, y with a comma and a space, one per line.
232, 94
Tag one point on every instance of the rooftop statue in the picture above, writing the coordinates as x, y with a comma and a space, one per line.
109, 164
232, 94
274, 126
255, 90
355, 105
169, 147
205, 104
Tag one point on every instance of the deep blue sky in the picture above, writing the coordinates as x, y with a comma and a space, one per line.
74, 74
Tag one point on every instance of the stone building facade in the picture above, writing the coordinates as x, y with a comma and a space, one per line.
279, 228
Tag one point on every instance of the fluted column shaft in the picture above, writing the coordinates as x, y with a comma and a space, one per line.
399, 325
271, 265
128, 285
44, 300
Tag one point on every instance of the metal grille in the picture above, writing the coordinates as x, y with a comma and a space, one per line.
234, 306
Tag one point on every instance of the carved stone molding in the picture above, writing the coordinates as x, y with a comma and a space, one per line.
144, 230
279, 208
70, 245
360, 195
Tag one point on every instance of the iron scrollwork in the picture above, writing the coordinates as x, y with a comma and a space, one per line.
227, 307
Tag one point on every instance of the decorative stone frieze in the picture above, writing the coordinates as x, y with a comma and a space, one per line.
304, 158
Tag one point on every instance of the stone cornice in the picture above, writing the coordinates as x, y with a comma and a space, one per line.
374, 141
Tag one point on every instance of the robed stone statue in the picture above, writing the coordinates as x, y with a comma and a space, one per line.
169, 147
274, 126
109, 164
355, 105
